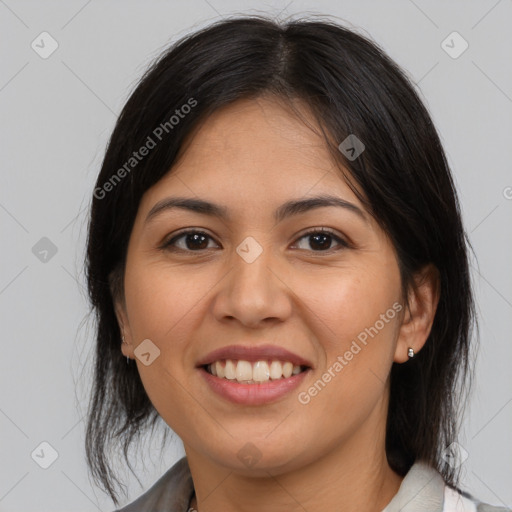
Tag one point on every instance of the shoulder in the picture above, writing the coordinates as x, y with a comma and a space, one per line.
170, 493
457, 501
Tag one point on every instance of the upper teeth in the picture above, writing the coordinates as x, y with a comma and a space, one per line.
259, 371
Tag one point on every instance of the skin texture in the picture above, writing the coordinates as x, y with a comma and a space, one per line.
328, 454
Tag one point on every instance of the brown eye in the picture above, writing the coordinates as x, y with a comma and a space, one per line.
320, 240
192, 241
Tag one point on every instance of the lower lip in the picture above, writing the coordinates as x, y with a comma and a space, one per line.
253, 394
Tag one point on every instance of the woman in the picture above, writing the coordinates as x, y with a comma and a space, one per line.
276, 248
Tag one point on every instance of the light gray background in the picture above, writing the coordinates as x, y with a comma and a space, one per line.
57, 114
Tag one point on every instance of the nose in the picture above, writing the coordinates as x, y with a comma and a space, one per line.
253, 293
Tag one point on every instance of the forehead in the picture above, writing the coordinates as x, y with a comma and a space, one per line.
254, 153
255, 132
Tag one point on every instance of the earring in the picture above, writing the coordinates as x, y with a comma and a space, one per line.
127, 358
410, 353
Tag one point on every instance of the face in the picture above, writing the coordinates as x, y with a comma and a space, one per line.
252, 279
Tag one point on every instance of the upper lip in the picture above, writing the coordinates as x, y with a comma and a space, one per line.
253, 353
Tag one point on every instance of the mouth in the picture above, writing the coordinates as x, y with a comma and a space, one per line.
253, 375
256, 372
260, 390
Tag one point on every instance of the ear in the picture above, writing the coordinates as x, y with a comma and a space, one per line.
127, 347
418, 318
116, 287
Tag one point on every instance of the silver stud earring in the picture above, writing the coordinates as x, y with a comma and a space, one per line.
410, 353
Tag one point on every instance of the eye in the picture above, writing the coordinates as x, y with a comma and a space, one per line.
193, 241
321, 239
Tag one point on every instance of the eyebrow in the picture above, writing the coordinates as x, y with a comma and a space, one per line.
287, 209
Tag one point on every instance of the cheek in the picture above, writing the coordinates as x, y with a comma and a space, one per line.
352, 315
345, 302
165, 307
162, 301
357, 345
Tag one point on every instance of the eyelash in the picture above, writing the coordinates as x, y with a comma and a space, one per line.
168, 245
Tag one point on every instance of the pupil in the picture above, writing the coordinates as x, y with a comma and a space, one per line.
193, 238
323, 237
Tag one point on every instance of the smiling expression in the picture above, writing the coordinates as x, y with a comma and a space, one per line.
247, 176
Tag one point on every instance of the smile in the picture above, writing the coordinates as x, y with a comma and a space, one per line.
257, 372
